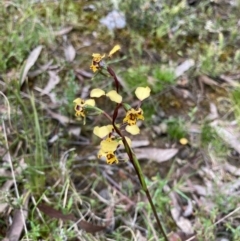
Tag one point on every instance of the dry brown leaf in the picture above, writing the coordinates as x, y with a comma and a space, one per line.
232, 169
174, 237
180, 236
61, 118
140, 237
188, 210
18, 221
208, 81
63, 31
137, 143
52, 97
84, 73
109, 215
70, 52
231, 138
3, 191
183, 81
183, 223
183, 67
53, 213
75, 131
52, 82
9, 183
88, 227
4, 172
156, 154
41, 69
85, 91
200, 190
229, 80
213, 112
182, 93
32, 58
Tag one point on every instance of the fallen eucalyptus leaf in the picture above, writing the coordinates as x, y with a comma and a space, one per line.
183, 67
52, 82
156, 154
32, 58
229, 137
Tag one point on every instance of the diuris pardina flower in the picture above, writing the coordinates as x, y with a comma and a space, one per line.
95, 66
131, 118
80, 106
133, 115
97, 58
107, 149
109, 145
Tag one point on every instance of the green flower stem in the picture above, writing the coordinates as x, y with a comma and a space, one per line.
132, 156
141, 178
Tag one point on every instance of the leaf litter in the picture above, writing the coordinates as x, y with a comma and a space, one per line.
217, 176
31, 60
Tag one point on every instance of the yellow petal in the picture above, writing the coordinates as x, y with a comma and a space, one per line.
114, 96
114, 50
142, 92
97, 57
134, 130
102, 131
90, 102
97, 93
78, 101
101, 153
109, 145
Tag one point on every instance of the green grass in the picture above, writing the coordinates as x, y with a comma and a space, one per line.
176, 128
235, 97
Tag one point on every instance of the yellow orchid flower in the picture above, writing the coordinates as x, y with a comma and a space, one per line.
110, 157
97, 58
80, 105
131, 118
108, 147
133, 115
109, 144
